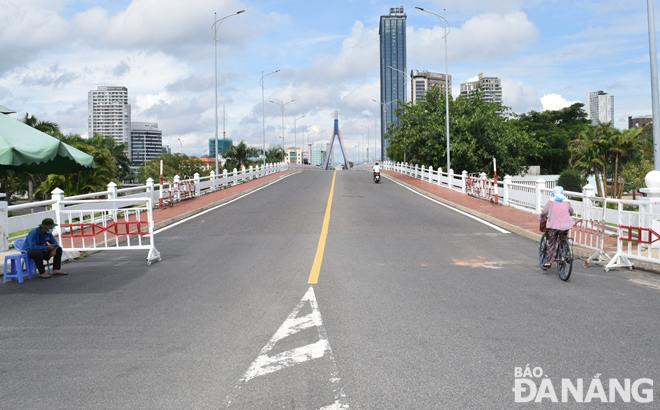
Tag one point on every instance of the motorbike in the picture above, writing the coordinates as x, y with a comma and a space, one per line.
376, 177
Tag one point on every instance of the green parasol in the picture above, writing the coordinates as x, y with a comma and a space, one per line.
23, 148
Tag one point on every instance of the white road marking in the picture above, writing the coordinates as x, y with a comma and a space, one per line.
265, 364
219, 206
497, 228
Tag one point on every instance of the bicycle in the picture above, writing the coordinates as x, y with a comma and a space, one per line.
563, 257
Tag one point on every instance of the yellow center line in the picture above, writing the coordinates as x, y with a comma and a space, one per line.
318, 259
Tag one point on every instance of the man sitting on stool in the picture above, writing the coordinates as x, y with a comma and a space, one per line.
41, 245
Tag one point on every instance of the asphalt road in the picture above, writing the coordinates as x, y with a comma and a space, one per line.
416, 307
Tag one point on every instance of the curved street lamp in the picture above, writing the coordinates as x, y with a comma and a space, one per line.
282, 104
445, 24
263, 107
405, 82
181, 142
214, 27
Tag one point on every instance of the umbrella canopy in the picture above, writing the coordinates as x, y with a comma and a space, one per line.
23, 148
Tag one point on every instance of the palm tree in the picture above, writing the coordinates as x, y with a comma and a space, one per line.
621, 147
275, 154
586, 155
50, 128
118, 151
237, 156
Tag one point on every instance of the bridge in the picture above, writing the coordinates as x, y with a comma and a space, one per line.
323, 290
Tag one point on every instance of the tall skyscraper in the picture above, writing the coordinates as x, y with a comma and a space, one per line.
392, 34
600, 107
109, 113
491, 88
422, 81
146, 143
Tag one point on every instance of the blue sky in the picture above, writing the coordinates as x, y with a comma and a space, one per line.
547, 53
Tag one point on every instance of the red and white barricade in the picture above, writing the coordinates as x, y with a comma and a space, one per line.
637, 234
479, 186
107, 224
589, 230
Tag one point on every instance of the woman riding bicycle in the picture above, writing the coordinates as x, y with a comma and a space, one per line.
557, 213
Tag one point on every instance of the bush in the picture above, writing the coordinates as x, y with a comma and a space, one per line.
571, 180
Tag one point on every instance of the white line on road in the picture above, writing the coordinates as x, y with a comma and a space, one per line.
497, 228
265, 364
219, 206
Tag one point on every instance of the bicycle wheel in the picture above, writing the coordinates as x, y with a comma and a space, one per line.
543, 249
564, 260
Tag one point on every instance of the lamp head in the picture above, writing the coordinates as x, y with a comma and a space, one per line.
419, 8
240, 11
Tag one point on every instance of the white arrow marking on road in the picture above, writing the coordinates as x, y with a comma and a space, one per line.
265, 364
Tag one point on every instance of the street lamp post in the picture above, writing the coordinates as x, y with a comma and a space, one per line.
405, 79
655, 99
214, 27
295, 137
282, 105
368, 132
181, 142
263, 108
445, 24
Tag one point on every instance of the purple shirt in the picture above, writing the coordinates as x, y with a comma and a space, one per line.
558, 214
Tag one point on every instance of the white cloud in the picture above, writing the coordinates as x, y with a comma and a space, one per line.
552, 102
521, 98
482, 37
359, 55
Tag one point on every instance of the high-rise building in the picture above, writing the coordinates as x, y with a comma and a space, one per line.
223, 146
600, 107
109, 114
490, 87
146, 143
392, 32
422, 81
639, 121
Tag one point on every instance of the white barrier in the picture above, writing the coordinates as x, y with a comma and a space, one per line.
117, 224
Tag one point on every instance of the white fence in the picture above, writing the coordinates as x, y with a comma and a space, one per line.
44, 209
635, 225
118, 224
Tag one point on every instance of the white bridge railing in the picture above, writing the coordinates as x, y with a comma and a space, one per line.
634, 226
17, 226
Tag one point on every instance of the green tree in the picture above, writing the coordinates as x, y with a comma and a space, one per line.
237, 156
173, 164
571, 180
275, 154
479, 132
48, 127
118, 151
553, 129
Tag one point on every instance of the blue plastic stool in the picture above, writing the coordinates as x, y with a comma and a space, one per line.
15, 271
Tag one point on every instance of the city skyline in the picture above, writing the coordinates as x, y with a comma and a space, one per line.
547, 56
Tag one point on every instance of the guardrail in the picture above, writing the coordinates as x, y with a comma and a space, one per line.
202, 186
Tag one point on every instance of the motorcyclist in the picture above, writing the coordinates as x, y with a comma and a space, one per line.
376, 169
